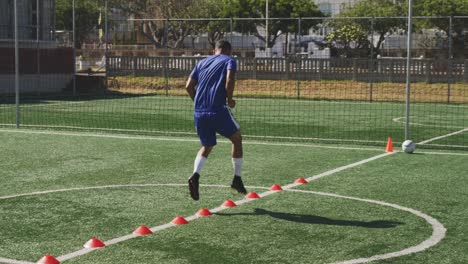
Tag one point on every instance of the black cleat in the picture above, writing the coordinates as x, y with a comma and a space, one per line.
193, 186
238, 185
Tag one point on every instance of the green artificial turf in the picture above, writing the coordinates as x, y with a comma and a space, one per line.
282, 228
332, 121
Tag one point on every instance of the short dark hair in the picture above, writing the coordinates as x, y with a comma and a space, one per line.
223, 45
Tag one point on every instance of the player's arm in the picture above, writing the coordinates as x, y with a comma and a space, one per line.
190, 87
230, 84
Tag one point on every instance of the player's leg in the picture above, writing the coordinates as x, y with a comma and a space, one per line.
237, 162
201, 157
193, 181
228, 127
207, 137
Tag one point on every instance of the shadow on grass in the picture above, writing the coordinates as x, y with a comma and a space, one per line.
319, 220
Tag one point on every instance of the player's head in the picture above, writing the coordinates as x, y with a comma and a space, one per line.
223, 47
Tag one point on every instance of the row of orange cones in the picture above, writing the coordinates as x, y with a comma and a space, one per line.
179, 220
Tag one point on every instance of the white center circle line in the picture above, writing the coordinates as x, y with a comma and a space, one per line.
438, 233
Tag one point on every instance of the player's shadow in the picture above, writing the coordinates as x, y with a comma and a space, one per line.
319, 220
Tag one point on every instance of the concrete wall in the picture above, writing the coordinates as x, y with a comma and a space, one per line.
34, 84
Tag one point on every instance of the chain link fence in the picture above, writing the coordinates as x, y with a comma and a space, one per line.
339, 80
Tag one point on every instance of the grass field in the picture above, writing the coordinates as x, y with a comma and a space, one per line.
284, 227
282, 119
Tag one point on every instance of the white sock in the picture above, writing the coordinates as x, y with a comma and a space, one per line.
237, 164
198, 164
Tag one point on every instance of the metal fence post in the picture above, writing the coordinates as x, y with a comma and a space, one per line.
408, 69
17, 95
320, 69
449, 74
428, 70
135, 65
74, 49
355, 70
465, 71
254, 68
299, 76
371, 73
166, 58
107, 41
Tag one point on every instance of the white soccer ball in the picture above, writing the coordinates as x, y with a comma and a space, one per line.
408, 146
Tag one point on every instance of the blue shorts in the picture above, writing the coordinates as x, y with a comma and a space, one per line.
208, 124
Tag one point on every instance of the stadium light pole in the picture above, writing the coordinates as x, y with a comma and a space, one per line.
17, 99
408, 65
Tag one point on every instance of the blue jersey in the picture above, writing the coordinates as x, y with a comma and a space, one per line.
210, 74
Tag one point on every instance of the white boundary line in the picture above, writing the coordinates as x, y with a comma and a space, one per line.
185, 133
443, 136
14, 261
175, 139
397, 120
438, 230
42, 104
438, 233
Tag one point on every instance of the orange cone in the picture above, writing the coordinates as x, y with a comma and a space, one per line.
301, 181
143, 231
94, 243
252, 195
204, 212
229, 203
276, 187
48, 259
179, 220
389, 145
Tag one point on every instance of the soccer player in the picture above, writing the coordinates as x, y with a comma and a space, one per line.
211, 86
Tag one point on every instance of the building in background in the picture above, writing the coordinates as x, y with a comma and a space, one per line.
35, 20
333, 7
45, 65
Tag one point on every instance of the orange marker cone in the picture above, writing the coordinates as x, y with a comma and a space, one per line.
229, 203
143, 231
179, 220
389, 145
252, 195
94, 243
301, 181
48, 259
276, 187
204, 212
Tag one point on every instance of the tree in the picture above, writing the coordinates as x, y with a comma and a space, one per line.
170, 28
444, 8
373, 8
348, 37
86, 16
285, 9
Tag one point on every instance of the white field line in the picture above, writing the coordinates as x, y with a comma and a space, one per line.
14, 261
443, 136
438, 230
398, 120
437, 235
221, 208
102, 129
175, 139
41, 104
247, 142
188, 133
